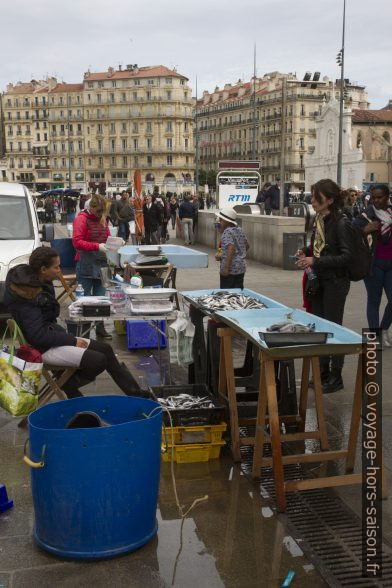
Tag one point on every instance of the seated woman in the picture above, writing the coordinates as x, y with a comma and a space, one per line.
32, 303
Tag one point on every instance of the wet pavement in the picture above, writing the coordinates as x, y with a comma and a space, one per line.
235, 539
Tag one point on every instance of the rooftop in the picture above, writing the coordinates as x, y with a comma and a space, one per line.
67, 88
133, 72
372, 116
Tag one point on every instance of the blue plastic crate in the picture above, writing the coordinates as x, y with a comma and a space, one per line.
142, 335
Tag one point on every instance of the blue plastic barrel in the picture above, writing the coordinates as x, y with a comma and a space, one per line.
96, 493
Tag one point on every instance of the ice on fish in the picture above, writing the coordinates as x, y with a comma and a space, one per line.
228, 301
186, 402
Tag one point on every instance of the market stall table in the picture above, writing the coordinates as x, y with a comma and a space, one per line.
84, 323
179, 256
249, 324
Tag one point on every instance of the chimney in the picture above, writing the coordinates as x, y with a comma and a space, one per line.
119, 67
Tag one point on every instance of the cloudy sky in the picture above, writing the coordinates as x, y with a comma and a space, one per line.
210, 39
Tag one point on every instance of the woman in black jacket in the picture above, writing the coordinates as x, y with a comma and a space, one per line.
331, 247
32, 303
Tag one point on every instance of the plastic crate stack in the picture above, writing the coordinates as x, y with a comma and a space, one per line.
196, 434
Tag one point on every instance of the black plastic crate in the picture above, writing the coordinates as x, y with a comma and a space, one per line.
185, 417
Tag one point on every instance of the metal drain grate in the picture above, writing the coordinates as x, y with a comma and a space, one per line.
328, 532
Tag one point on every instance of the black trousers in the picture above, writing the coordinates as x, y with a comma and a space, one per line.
232, 281
96, 359
328, 303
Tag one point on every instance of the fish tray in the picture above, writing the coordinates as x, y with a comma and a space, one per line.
182, 417
192, 453
196, 434
293, 339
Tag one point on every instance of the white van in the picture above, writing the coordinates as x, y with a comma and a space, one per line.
19, 230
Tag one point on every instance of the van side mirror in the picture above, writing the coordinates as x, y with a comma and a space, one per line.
47, 233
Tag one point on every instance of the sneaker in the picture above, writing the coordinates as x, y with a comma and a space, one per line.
333, 384
324, 378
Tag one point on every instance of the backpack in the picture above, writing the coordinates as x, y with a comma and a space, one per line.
361, 260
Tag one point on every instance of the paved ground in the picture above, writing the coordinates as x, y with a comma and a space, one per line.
234, 539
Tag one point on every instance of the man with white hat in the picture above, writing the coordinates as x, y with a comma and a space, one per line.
233, 248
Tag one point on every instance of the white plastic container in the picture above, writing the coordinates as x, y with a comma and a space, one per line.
114, 243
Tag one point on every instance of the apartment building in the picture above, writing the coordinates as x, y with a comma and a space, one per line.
243, 121
100, 131
26, 133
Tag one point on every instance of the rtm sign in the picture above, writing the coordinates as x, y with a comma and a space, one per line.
239, 198
237, 190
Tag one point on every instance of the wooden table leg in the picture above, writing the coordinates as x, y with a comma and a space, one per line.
260, 424
355, 418
303, 399
319, 401
274, 424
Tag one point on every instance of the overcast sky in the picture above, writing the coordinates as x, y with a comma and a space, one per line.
210, 39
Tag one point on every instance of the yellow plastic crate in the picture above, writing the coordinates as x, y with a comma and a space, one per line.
120, 327
194, 452
193, 434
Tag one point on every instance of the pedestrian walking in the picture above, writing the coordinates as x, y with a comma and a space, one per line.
196, 206
126, 214
376, 223
152, 219
233, 249
328, 257
173, 211
186, 212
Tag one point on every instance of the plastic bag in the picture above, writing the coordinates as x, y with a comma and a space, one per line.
180, 336
19, 381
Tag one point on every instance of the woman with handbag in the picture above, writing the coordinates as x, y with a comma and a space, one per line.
328, 281
31, 300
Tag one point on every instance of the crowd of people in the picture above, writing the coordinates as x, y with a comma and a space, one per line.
160, 211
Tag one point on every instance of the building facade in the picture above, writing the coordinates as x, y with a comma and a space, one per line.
367, 147
244, 122
98, 132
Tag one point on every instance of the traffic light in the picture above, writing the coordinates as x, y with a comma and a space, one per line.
339, 58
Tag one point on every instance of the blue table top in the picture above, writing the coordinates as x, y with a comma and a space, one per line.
178, 255
250, 322
191, 296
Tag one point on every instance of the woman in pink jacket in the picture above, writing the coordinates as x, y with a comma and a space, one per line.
90, 233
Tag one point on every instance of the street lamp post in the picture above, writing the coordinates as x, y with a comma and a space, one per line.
340, 60
196, 146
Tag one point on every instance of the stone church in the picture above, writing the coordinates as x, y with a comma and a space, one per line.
367, 146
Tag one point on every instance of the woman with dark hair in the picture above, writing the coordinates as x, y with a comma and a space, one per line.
331, 247
31, 300
376, 223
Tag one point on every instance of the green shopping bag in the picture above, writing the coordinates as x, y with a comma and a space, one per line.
19, 379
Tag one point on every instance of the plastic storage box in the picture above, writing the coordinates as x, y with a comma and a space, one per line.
188, 417
197, 434
142, 334
193, 452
